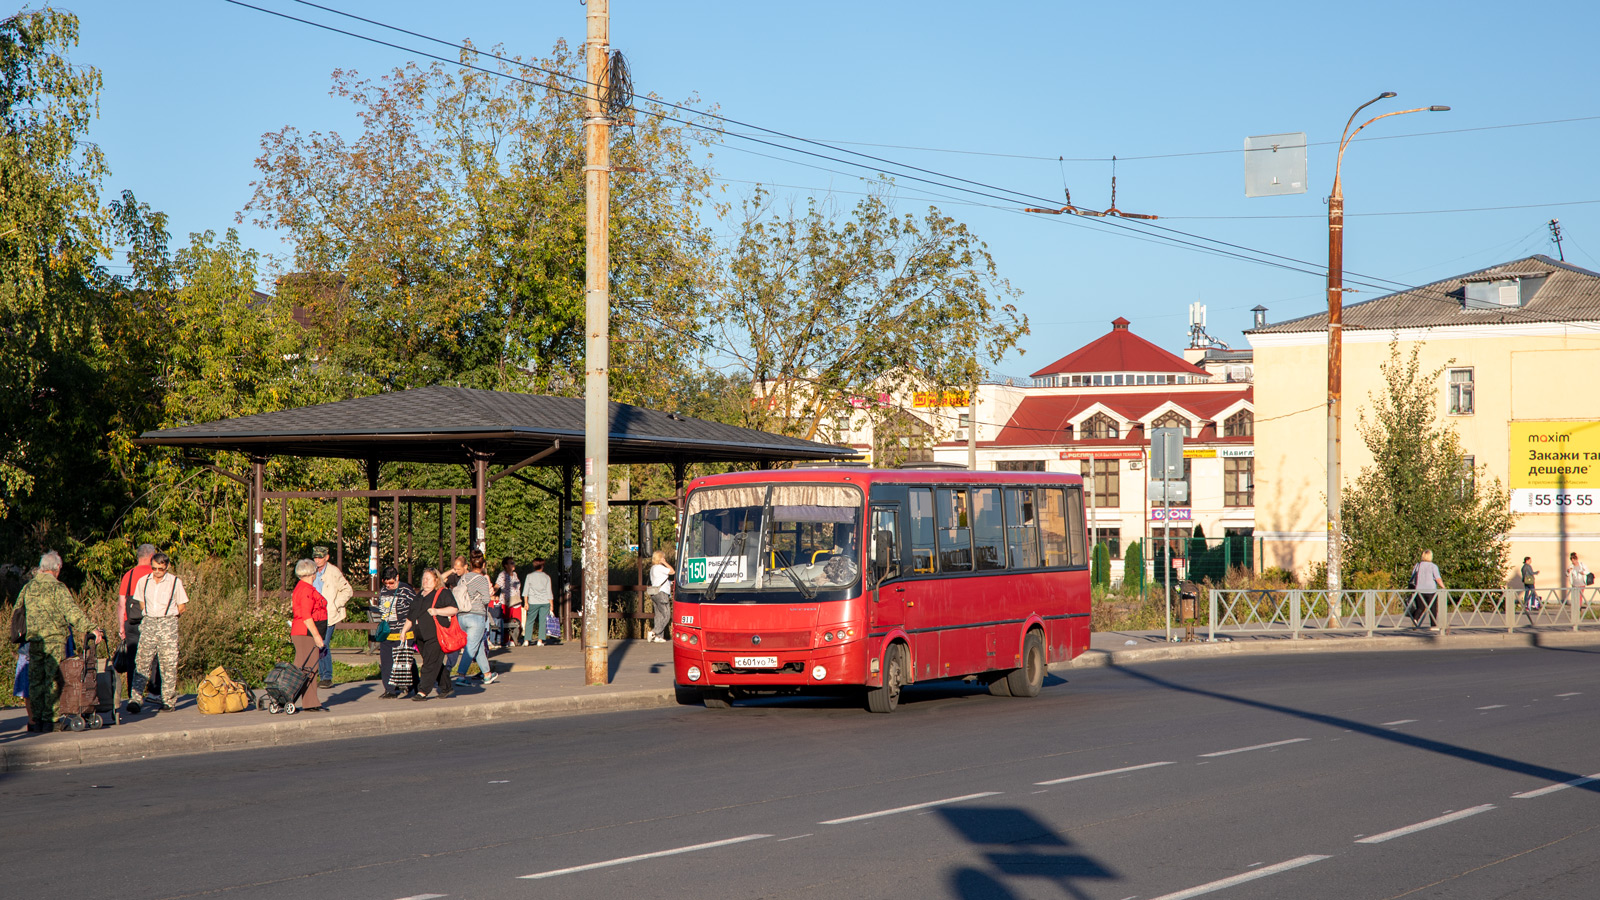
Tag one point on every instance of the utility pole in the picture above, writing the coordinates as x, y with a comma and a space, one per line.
1336, 348
597, 356
1555, 235
972, 429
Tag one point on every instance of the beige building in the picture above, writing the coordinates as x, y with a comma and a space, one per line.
1519, 346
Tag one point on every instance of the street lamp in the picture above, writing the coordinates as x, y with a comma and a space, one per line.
1336, 342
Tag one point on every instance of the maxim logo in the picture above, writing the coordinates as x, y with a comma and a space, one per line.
1549, 438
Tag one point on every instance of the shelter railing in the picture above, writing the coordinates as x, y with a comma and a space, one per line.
1295, 611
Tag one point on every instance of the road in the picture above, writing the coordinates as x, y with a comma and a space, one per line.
1418, 774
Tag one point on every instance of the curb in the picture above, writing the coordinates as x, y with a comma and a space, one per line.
1285, 645
283, 731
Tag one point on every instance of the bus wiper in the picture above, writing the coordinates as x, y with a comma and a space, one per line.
738, 547
806, 590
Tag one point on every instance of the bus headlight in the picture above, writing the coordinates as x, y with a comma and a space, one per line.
827, 637
694, 673
817, 672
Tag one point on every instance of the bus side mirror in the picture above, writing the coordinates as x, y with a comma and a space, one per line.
883, 563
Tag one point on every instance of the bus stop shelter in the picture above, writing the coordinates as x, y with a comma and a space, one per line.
494, 434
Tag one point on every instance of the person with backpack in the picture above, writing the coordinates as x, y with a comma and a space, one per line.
162, 597
130, 614
473, 592
1578, 578
1427, 582
51, 615
1530, 596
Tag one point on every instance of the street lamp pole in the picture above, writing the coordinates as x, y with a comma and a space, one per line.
1336, 347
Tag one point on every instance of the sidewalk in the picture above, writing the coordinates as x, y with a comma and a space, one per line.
537, 682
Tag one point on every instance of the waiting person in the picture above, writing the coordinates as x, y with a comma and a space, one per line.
162, 596
129, 614
422, 624
1427, 582
1530, 595
537, 595
508, 590
1578, 578
393, 609
660, 594
472, 596
308, 629
19, 684
51, 615
335, 588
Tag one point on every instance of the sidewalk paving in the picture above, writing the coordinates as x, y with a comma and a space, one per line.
537, 682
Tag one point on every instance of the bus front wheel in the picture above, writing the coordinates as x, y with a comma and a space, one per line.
1028, 681
715, 699
885, 698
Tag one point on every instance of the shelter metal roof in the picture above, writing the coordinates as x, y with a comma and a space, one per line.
441, 424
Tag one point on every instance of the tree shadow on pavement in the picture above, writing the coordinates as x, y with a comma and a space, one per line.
1023, 848
1467, 754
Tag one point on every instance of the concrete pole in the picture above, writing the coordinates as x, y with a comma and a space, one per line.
972, 430
597, 369
1335, 392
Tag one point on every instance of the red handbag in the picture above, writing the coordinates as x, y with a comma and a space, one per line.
452, 636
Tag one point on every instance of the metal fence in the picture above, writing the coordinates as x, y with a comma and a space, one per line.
1294, 612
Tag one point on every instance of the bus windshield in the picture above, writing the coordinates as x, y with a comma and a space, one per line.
775, 539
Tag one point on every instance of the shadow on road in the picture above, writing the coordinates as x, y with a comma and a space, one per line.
1025, 848
1492, 760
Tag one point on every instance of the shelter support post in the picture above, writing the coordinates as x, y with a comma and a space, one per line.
373, 468
257, 528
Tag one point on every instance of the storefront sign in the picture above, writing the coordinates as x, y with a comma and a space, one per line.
1236, 452
1102, 454
1175, 514
1555, 467
934, 399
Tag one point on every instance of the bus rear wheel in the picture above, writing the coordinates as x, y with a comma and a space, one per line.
885, 698
1028, 681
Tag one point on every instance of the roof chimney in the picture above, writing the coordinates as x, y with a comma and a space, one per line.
1261, 316
1120, 324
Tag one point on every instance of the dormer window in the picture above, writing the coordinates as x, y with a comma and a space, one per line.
1500, 292
1100, 427
1173, 420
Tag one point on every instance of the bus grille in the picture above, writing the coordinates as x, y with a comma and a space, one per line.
770, 640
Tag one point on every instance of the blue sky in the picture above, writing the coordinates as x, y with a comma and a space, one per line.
191, 85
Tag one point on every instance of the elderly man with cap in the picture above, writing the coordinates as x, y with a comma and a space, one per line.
331, 584
51, 615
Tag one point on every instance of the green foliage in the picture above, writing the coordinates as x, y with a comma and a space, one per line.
1133, 565
825, 309
1100, 566
1418, 493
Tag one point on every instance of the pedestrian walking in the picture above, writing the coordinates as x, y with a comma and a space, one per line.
309, 628
537, 595
336, 591
162, 597
660, 594
508, 590
1530, 595
1427, 582
422, 625
473, 593
51, 615
392, 612
1578, 578
130, 614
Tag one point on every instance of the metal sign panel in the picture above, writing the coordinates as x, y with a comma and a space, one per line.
1275, 164
1166, 453
1175, 491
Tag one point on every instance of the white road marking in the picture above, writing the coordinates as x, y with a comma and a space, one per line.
425, 897
1398, 722
1529, 795
795, 838
1098, 774
1570, 694
1423, 826
499, 782
1255, 747
1284, 866
643, 856
911, 808
1495, 706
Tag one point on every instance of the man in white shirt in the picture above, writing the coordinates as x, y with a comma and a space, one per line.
163, 598
537, 594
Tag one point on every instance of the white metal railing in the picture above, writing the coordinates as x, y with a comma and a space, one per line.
1294, 611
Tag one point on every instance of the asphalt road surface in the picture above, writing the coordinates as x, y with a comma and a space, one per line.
1457, 774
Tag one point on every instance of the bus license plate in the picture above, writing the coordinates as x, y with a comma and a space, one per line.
755, 662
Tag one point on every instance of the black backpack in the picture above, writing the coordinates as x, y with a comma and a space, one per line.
19, 623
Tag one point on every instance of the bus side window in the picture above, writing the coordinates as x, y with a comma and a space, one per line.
922, 552
988, 529
955, 537
885, 544
1053, 526
1022, 528
1075, 531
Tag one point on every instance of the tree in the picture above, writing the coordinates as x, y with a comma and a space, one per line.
445, 242
1100, 571
823, 310
1133, 565
1419, 493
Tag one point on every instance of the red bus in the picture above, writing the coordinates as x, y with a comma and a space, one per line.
863, 580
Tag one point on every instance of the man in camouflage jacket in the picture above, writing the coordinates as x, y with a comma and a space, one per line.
52, 613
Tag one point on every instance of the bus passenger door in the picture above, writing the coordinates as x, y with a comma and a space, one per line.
888, 608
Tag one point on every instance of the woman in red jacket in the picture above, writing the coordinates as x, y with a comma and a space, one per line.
308, 628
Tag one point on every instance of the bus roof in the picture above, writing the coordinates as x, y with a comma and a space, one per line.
860, 476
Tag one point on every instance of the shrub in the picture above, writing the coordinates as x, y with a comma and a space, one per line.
1133, 567
1100, 569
